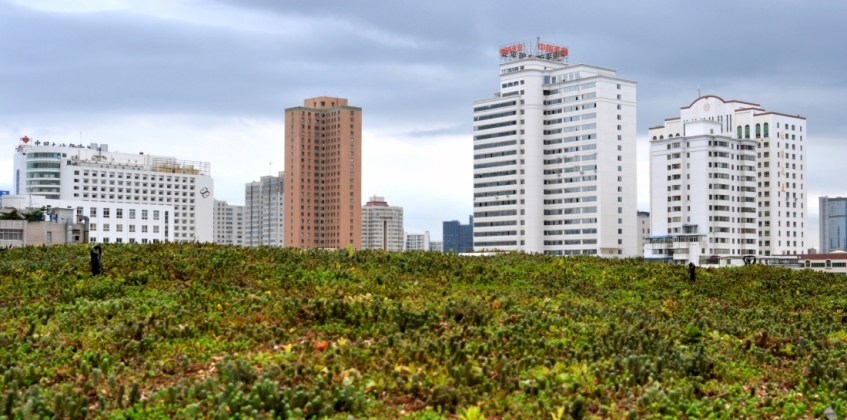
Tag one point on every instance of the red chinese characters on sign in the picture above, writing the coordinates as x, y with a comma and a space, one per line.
511, 49
553, 49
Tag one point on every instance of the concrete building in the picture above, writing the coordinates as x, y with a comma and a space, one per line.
229, 224
833, 223
457, 237
770, 208
702, 194
382, 225
417, 241
832, 262
94, 175
555, 157
108, 222
323, 160
644, 227
436, 246
264, 211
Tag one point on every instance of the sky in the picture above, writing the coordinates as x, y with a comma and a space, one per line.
210, 80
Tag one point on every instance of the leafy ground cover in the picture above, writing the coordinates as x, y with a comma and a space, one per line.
188, 331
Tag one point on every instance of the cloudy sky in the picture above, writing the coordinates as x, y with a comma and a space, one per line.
209, 80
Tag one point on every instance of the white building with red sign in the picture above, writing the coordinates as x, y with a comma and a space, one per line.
555, 157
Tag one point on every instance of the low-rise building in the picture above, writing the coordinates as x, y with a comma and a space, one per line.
833, 262
109, 222
417, 241
436, 246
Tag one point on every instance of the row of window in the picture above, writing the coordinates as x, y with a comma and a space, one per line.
120, 228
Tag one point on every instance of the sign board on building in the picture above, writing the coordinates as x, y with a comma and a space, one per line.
2, 193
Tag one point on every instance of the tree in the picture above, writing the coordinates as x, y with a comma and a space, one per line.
12, 215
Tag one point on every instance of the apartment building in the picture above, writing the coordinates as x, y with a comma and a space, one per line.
382, 225
417, 242
229, 221
755, 169
323, 160
264, 211
555, 157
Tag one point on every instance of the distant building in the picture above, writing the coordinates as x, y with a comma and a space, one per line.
116, 180
833, 223
436, 246
457, 237
417, 241
643, 228
813, 251
263, 212
382, 225
833, 262
228, 225
117, 223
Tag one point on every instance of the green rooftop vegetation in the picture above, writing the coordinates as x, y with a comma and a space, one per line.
206, 331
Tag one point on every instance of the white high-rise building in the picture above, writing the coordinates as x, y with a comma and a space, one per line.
229, 224
124, 181
555, 157
263, 211
382, 225
758, 186
417, 241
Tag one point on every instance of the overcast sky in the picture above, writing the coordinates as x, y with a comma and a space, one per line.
209, 80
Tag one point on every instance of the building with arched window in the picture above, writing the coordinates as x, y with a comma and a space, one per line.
833, 262
761, 181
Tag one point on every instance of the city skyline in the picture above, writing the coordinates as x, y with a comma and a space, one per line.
210, 79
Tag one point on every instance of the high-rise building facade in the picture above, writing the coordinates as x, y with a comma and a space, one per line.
457, 237
264, 211
94, 174
417, 241
774, 170
323, 160
833, 224
643, 228
228, 224
382, 225
702, 193
555, 157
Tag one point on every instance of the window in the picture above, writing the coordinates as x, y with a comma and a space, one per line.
766, 130
143, 214
155, 214
120, 228
92, 212
746, 131
144, 229
132, 213
49, 237
106, 213
758, 131
155, 229
105, 227
92, 227
132, 228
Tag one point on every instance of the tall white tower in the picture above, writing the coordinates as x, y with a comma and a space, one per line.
555, 157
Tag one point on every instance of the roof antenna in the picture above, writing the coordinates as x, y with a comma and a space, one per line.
269, 168
698, 91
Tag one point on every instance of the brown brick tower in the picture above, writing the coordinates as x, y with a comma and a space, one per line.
323, 170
